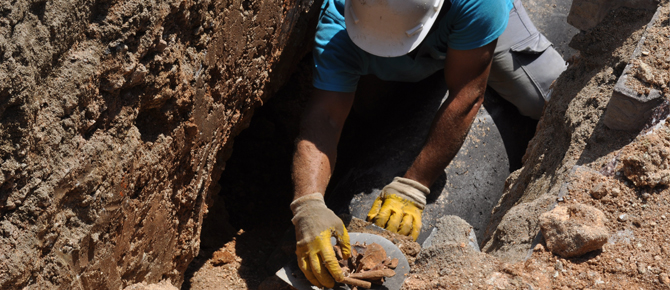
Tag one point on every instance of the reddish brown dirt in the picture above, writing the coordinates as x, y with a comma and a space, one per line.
116, 118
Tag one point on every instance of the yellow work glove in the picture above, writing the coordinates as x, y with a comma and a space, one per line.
399, 207
314, 225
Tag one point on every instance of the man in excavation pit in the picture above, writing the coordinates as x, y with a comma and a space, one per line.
472, 42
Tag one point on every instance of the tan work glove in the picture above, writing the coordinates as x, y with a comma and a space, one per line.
314, 225
399, 207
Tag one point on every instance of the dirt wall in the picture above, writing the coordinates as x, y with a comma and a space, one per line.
570, 133
116, 118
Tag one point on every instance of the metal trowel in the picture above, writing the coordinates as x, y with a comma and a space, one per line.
292, 275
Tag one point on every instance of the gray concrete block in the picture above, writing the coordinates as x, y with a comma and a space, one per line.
628, 110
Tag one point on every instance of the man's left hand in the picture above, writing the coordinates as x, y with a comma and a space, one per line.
399, 207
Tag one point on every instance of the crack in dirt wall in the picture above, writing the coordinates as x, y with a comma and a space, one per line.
115, 118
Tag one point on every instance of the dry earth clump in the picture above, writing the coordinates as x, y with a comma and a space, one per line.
574, 230
652, 167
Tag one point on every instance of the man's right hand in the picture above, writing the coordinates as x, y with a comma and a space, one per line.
314, 226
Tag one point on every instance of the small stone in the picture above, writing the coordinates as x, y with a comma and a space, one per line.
222, 257
573, 230
162, 44
645, 53
663, 217
558, 265
622, 217
641, 268
645, 196
653, 224
599, 191
637, 222
618, 260
664, 279
645, 72
615, 192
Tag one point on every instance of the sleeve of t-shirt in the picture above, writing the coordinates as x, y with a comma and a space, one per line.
477, 23
337, 63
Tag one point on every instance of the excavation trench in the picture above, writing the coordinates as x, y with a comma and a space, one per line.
381, 138
384, 132
247, 235
117, 120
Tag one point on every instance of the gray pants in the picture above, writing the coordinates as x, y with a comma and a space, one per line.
524, 65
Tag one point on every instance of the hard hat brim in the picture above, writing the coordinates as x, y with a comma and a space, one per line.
383, 46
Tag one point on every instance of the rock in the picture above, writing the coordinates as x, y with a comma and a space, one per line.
642, 268
663, 278
622, 217
222, 257
574, 229
599, 190
453, 229
645, 72
137, 76
558, 265
615, 192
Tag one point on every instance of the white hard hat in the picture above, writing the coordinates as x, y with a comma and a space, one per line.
389, 28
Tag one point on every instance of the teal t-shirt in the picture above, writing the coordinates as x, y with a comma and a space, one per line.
339, 63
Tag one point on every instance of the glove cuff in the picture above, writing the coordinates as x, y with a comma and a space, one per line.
307, 201
408, 189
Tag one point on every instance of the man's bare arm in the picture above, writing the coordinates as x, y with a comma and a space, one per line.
316, 148
466, 73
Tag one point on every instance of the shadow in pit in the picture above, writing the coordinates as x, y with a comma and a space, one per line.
603, 141
256, 189
252, 208
215, 233
382, 136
